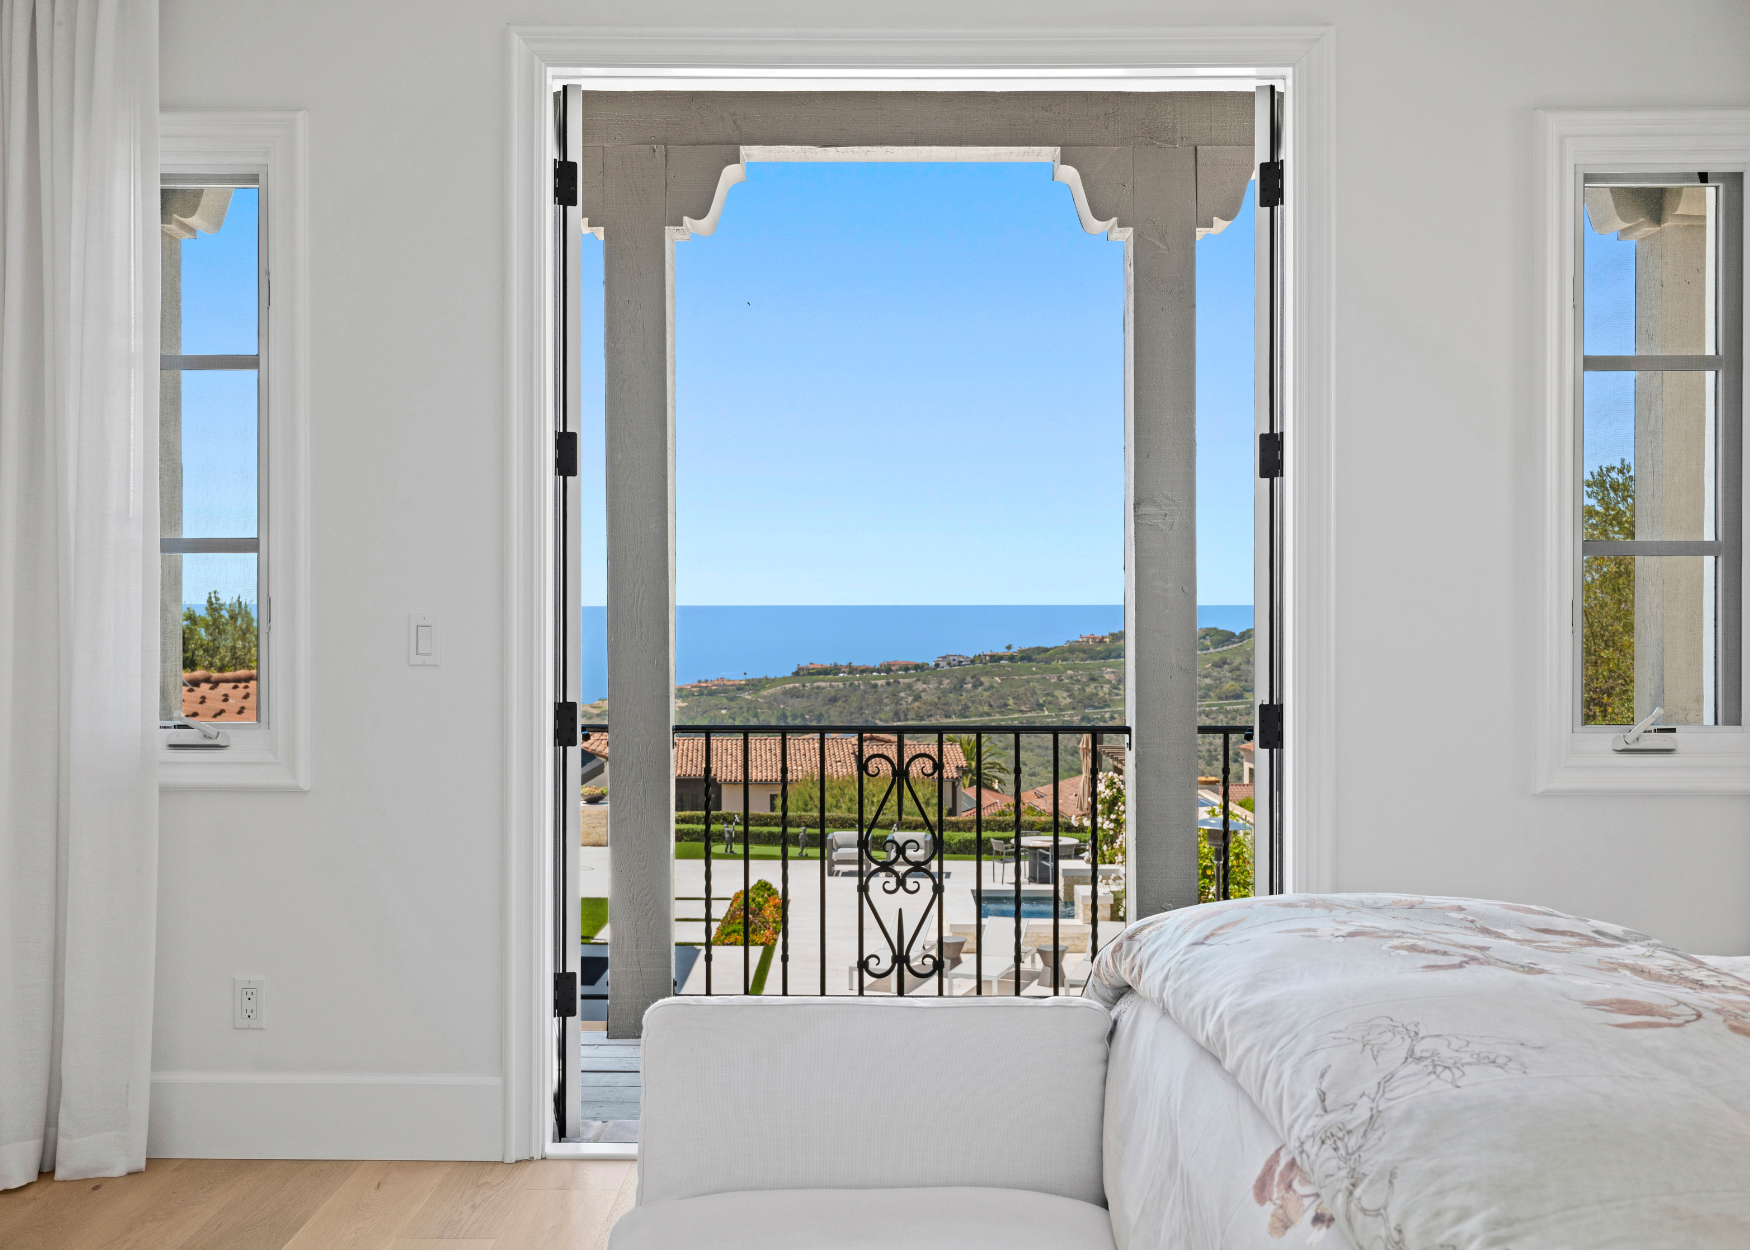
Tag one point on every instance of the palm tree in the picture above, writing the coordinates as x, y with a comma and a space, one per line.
988, 772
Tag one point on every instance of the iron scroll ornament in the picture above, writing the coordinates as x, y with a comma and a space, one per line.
901, 869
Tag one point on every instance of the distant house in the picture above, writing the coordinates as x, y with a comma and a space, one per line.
1095, 638
977, 799
901, 666
952, 661
758, 783
711, 685
1247, 758
1067, 795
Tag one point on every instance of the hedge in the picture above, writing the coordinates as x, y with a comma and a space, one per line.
998, 825
957, 841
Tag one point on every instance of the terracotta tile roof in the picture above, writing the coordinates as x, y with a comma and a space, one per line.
763, 756
988, 801
1068, 792
219, 696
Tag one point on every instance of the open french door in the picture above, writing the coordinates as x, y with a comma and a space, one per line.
1269, 736
567, 618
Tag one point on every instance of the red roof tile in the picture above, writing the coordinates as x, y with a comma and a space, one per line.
803, 760
219, 696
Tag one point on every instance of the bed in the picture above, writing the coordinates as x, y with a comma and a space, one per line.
1370, 1072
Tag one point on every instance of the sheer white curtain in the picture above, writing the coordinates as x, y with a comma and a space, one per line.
78, 578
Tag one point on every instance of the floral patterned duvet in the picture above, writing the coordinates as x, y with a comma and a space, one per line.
1454, 1073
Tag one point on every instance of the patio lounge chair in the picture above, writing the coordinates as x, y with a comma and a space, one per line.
841, 847
996, 948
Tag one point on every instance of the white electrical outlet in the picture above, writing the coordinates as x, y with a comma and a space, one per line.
249, 1002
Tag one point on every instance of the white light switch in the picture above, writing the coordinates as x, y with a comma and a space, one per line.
422, 641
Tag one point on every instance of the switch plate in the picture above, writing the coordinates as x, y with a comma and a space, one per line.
422, 639
249, 1002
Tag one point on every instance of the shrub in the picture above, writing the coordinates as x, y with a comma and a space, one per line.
221, 639
768, 918
1239, 866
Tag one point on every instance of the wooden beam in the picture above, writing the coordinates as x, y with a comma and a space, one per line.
921, 118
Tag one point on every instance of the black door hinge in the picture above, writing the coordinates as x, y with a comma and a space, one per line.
565, 725
1269, 732
565, 184
1269, 455
565, 453
1270, 184
565, 995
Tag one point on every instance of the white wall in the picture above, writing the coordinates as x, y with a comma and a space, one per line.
372, 903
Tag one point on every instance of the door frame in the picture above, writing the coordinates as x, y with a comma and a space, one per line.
1301, 59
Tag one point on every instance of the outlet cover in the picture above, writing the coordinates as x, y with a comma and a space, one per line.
249, 1002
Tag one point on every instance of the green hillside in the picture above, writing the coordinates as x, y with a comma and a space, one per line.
1045, 691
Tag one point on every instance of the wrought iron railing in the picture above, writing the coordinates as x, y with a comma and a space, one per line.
1224, 850
903, 778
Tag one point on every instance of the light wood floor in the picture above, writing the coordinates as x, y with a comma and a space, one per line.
226, 1204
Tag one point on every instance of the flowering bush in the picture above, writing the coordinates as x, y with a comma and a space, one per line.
768, 918
1239, 864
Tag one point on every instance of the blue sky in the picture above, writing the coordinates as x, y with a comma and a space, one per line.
219, 275
896, 383
903, 383
1609, 331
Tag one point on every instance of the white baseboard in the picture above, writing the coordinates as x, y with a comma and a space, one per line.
592, 1150
325, 1115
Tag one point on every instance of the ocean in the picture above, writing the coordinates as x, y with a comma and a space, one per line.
771, 640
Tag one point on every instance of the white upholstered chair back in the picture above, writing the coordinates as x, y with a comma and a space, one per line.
812, 1093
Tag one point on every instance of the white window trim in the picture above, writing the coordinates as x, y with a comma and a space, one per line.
276, 755
1570, 143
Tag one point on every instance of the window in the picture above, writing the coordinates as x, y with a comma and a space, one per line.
232, 225
1660, 449
210, 426
1641, 278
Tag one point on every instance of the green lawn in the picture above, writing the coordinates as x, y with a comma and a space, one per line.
696, 850
592, 915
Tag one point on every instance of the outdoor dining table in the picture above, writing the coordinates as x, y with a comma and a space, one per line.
1038, 848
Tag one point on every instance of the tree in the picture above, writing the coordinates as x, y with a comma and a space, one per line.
984, 769
1607, 600
221, 638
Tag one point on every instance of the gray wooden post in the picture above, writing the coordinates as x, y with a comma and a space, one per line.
640, 613
1160, 540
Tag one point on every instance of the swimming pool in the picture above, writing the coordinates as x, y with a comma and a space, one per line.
1034, 907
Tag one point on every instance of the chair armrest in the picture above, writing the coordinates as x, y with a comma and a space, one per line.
809, 1093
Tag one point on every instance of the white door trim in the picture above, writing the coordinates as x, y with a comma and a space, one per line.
1157, 58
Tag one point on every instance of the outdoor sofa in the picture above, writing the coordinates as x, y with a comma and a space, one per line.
873, 1123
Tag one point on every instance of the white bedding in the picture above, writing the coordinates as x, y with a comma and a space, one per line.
1445, 1073
1190, 1161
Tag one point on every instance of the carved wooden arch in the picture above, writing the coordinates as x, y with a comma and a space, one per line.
1152, 170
